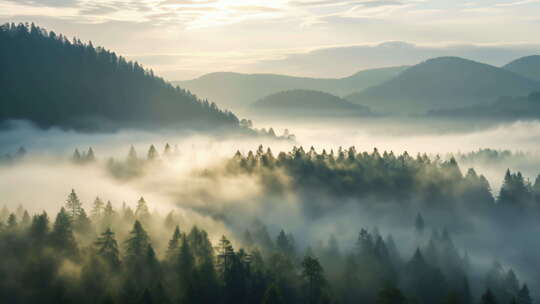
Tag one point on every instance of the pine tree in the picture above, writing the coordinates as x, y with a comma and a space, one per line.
76, 156
174, 245
39, 228
82, 223
137, 243
142, 213
225, 254
167, 150
73, 205
97, 209
186, 271
62, 238
25, 219
132, 159
152, 153
312, 272
108, 215
90, 157
170, 221
12, 222
524, 296
107, 248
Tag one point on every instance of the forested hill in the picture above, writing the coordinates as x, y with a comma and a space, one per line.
307, 103
51, 81
443, 83
238, 91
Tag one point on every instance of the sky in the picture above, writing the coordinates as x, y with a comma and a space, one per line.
183, 39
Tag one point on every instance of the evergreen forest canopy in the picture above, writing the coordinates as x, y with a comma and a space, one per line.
51, 81
374, 180
110, 255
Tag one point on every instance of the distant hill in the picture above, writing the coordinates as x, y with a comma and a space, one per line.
506, 108
237, 91
442, 83
307, 103
51, 81
526, 66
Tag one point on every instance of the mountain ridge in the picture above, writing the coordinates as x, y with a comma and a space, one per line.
239, 90
443, 82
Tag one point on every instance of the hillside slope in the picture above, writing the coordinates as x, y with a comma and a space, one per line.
526, 66
307, 103
237, 91
54, 82
445, 82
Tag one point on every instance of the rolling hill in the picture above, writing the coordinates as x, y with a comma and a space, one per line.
51, 81
237, 91
506, 108
443, 83
300, 103
528, 66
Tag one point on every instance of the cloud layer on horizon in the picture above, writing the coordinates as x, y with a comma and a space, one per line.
181, 39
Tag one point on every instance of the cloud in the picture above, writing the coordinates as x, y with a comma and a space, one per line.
50, 3
255, 8
516, 3
347, 60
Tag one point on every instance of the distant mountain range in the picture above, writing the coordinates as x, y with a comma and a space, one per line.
443, 83
237, 91
307, 103
51, 81
526, 66
504, 108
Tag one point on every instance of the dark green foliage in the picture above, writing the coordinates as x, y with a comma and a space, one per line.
524, 296
366, 178
391, 295
313, 274
488, 298
107, 248
42, 266
61, 237
51, 81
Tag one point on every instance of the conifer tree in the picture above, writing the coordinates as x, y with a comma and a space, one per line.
137, 244
39, 229
73, 205
12, 222
108, 215
312, 272
524, 296
152, 153
174, 245
89, 157
97, 209
142, 213
107, 248
62, 238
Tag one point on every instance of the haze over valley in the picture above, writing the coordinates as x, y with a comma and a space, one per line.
282, 152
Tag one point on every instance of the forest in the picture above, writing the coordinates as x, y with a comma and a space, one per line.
100, 252
52, 81
415, 180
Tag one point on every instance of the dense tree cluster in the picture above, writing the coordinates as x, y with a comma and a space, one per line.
51, 81
119, 256
376, 179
